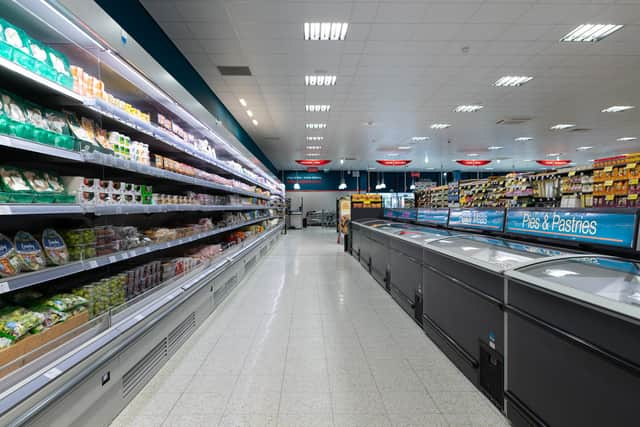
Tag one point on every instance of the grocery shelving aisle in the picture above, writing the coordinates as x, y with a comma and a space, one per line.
309, 339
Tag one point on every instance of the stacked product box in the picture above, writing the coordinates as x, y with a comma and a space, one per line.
107, 192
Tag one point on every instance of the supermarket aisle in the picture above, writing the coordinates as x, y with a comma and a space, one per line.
309, 340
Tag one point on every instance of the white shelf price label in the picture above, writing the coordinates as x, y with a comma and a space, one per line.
112, 259
52, 373
93, 264
138, 317
4, 287
5, 210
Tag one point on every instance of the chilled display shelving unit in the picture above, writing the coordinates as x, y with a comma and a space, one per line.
140, 218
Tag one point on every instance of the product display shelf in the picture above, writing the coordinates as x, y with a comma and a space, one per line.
29, 279
102, 210
107, 160
10, 71
114, 331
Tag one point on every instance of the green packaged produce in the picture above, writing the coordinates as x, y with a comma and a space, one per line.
17, 322
12, 180
54, 247
9, 260
12, 108
29, 252
37, 182
65, 302
50, 316
55, 182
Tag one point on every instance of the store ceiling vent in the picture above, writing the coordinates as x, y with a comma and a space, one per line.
513, 120
234, 70
581, 130
146, 367
181, 332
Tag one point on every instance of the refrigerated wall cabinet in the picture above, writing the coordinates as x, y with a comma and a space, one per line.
128, 213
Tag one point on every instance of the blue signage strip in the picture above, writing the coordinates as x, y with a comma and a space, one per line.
433, 216
477, 219
400, 213
603, 228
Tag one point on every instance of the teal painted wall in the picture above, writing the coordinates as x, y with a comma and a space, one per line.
137, 22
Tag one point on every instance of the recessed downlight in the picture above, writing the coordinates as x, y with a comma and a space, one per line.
319, 80
626, 139
317, 108
249, 113
590, 32
473, 154
316, 125
495, 147
512, 81
553, 154
562, 126
440, 126
404, 147
393, 154
313, 154
255, 122
419, 138
618, 108
315, 138
243, 102
584, 148
314, 147
332, 31
468, 108
523, 139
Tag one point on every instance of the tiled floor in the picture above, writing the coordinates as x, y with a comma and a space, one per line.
309, 339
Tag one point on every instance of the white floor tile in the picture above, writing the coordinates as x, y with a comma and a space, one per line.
309, 339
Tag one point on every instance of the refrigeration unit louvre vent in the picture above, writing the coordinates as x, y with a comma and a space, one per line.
181, 332
513, 121
234, 70
145, 368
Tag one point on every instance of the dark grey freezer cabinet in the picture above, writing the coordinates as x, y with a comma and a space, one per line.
573, 343
463, 289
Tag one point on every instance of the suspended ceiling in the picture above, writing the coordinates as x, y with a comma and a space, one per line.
406, 65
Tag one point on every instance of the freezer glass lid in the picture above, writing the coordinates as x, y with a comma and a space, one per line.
499, 254
415, 232
613, 279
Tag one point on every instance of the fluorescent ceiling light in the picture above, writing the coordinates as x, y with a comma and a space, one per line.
523, 138
314, 147
325, 30
419, 138
316, 125
249, 113
562, 126
473, 154
626, 139
618, 108
313, 154
315, 138
404, 147
468, 108
319, 80
584, 148
440, 126
243, 102
553, 154
393, 154
495, 147
512, 81
255, 122
590, 32
317, 108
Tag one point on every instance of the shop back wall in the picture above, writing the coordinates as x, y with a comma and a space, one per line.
395, 181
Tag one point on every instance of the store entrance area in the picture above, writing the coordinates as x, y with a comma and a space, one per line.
309, 339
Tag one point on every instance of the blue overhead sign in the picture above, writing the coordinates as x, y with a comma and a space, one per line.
400, 213
433, 216
603, 228
477, 219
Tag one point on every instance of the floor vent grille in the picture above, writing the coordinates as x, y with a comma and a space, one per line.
145, 368
181, 333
